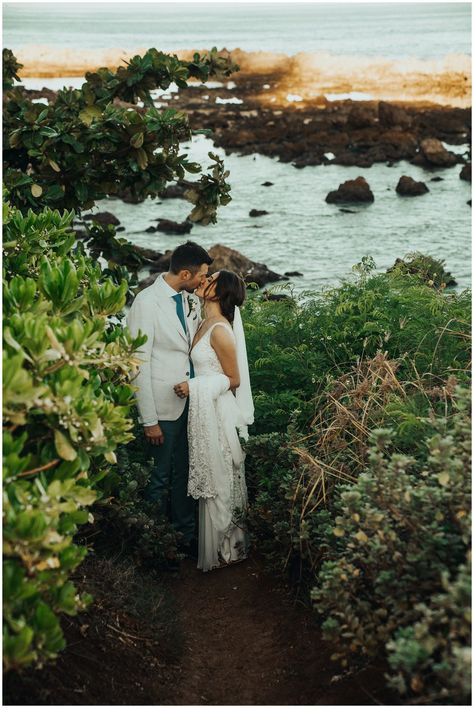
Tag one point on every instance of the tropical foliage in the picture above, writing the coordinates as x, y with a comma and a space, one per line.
68, 360
360, 473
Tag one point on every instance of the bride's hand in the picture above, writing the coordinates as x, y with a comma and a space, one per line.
182, 389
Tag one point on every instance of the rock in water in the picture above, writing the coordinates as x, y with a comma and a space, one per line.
267, 184
173, 227
391, 116
408, 187
354, 190
466, 172
436, 154
104, 218
176, 191
252, 272
258, 212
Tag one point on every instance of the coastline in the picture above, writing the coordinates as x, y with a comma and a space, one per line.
308, 76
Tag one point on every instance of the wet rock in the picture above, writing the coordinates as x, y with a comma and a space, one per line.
151, 230
436, 154
258, 212
437, 179
104, 218
347, 211
176, 191
469, 202
267, 184
274, 296
173, 227
354, 190
391, 116
466, 172
252, 272
431, 270
362, 116
149, 253
293, 274
408, 187
120, 228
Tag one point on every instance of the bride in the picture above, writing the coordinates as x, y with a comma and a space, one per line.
220, 409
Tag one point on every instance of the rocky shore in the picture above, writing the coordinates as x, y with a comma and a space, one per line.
313, 130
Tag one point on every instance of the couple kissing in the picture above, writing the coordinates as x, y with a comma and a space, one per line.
194, 402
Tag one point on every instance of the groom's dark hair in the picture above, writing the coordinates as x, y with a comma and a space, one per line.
189, 256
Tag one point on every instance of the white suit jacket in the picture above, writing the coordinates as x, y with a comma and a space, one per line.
165, 355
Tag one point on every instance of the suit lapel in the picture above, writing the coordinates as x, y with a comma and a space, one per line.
167, 307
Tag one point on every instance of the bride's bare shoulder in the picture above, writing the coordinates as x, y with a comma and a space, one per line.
223, 334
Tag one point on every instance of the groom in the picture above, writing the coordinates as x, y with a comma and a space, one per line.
169, 314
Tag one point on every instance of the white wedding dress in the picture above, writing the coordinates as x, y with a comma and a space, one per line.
216, 459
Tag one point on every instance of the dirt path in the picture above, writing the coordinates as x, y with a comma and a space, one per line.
245, 642
233, 636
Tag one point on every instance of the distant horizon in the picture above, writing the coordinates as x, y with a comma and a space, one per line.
393, 30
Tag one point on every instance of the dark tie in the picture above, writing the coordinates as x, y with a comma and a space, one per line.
179, 309
180, 312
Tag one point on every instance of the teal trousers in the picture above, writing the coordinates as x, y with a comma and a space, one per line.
168, 484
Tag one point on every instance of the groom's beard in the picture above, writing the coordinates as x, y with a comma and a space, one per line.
190, 290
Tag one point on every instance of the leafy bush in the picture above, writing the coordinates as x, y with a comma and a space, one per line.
385, 351
299, 345
398, 534
66, 401
88, 144
125, 516
432, 657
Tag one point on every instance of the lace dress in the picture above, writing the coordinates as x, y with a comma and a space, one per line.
216, 460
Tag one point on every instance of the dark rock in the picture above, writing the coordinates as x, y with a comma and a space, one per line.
354, 190
274, 296
469, 202
176, 191
149, 253
437, 179
120, 228
103, 218
151, 230
293, 273
149, 280
128, 196
408, 187
430, 269
362, 116
347, 211
173, 227
391, 116
466, 172
258, 212
267, 184
252, 272
436, 154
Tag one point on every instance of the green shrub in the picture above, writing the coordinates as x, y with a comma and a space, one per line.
66, 402
126, 518
299, 345
398, 534
432, 657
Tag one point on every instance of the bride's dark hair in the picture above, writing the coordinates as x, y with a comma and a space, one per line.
230, 292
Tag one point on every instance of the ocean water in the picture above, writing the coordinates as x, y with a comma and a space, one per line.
391, 30
301, 232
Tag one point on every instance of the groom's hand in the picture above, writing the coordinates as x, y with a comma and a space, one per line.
182, 389
154, 434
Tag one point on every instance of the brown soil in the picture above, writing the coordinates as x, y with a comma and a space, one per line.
232, 636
